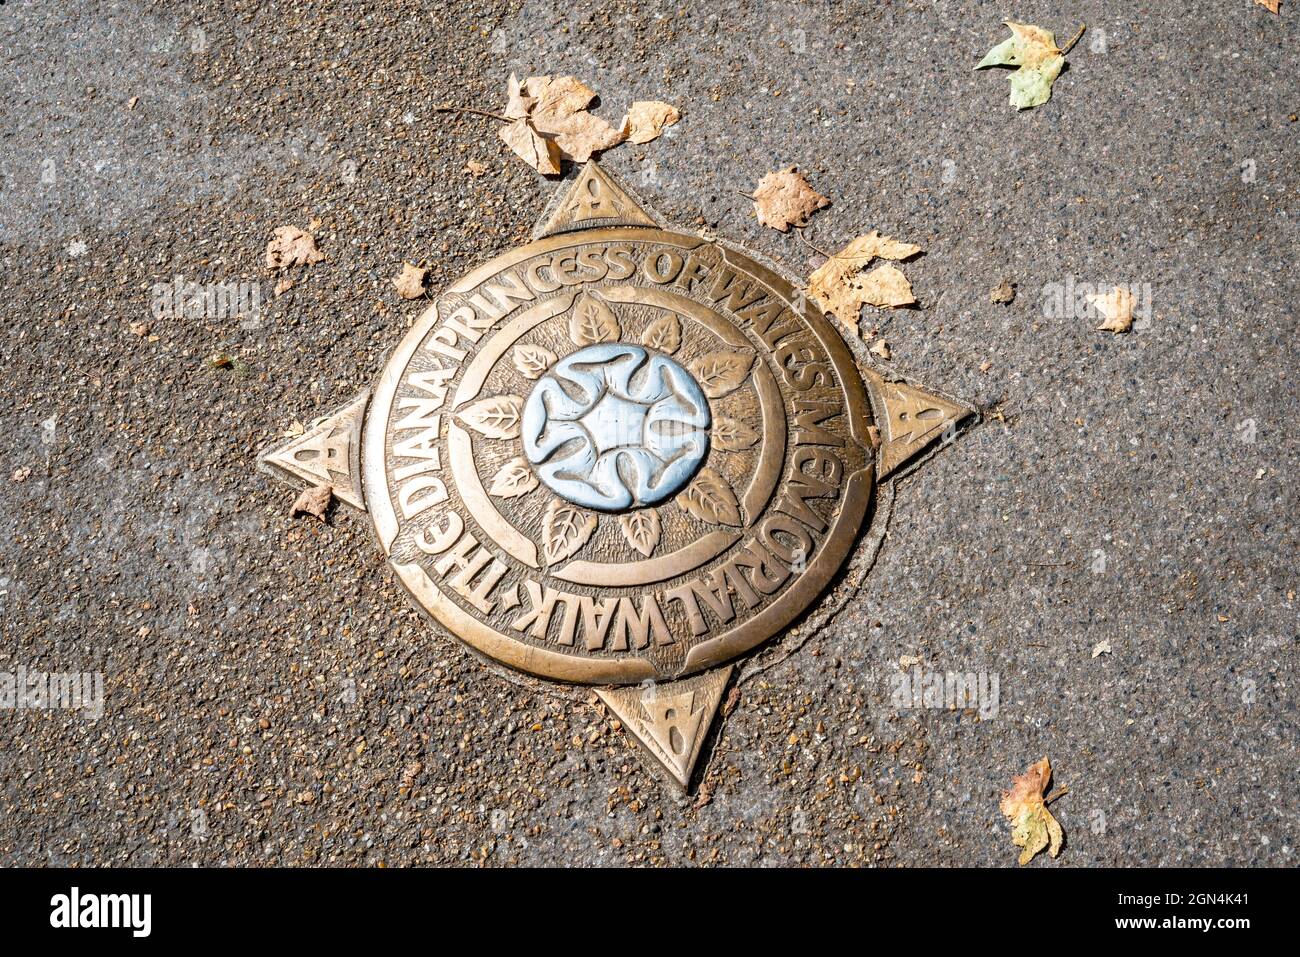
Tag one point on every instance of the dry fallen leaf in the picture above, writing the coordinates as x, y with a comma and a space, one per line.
580, 135
1272, 6
881, 348
910, 661
646, 119
409, 283
531, 147
1101, 648
1117, 307
1003, 292
784, 199
291, 246
475, 168
139, 328
1032, 825
313, 501
1033, 51
283, 286
833, 285
554, 109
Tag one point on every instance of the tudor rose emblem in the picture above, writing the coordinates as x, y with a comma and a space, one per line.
620, 456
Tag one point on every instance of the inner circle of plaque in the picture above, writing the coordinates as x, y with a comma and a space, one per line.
615, 426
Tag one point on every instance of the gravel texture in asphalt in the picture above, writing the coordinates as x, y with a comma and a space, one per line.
270, 697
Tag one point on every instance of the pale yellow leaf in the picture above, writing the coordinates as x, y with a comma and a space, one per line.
531, 147
1032, 826
1117, 308
409, 283
291, 246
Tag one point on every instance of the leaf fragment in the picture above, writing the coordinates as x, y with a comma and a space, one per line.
1032, 826
1272, 6
565, 529
646, 119
409, 283
710, 499
785, 198
720, 373
641, 529
1033, 51
592, 321
1117, 308
1003, 293
496, 417
513, 479
291, 246
314, 501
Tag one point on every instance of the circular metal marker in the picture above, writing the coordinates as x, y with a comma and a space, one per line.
620, 455
617, 454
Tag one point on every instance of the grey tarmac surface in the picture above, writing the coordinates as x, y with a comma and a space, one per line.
270, 696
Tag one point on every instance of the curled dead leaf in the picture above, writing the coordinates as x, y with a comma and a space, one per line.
785, 198
840, 287
646, 119
710, 499
1117, 308
409, 283
1032, 826
531, 147
291, 246
313, 501
641, 529
496, 417
565, 529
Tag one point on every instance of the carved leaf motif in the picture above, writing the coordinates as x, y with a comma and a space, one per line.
592, 321
732, 435
532, 361
565, 529
513, 479
641, 529
664, 334
721, 372
496, 417
710, 499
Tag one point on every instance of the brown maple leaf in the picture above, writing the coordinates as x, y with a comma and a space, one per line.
1032, 826
785, 198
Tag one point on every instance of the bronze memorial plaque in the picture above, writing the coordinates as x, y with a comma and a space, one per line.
622, 456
